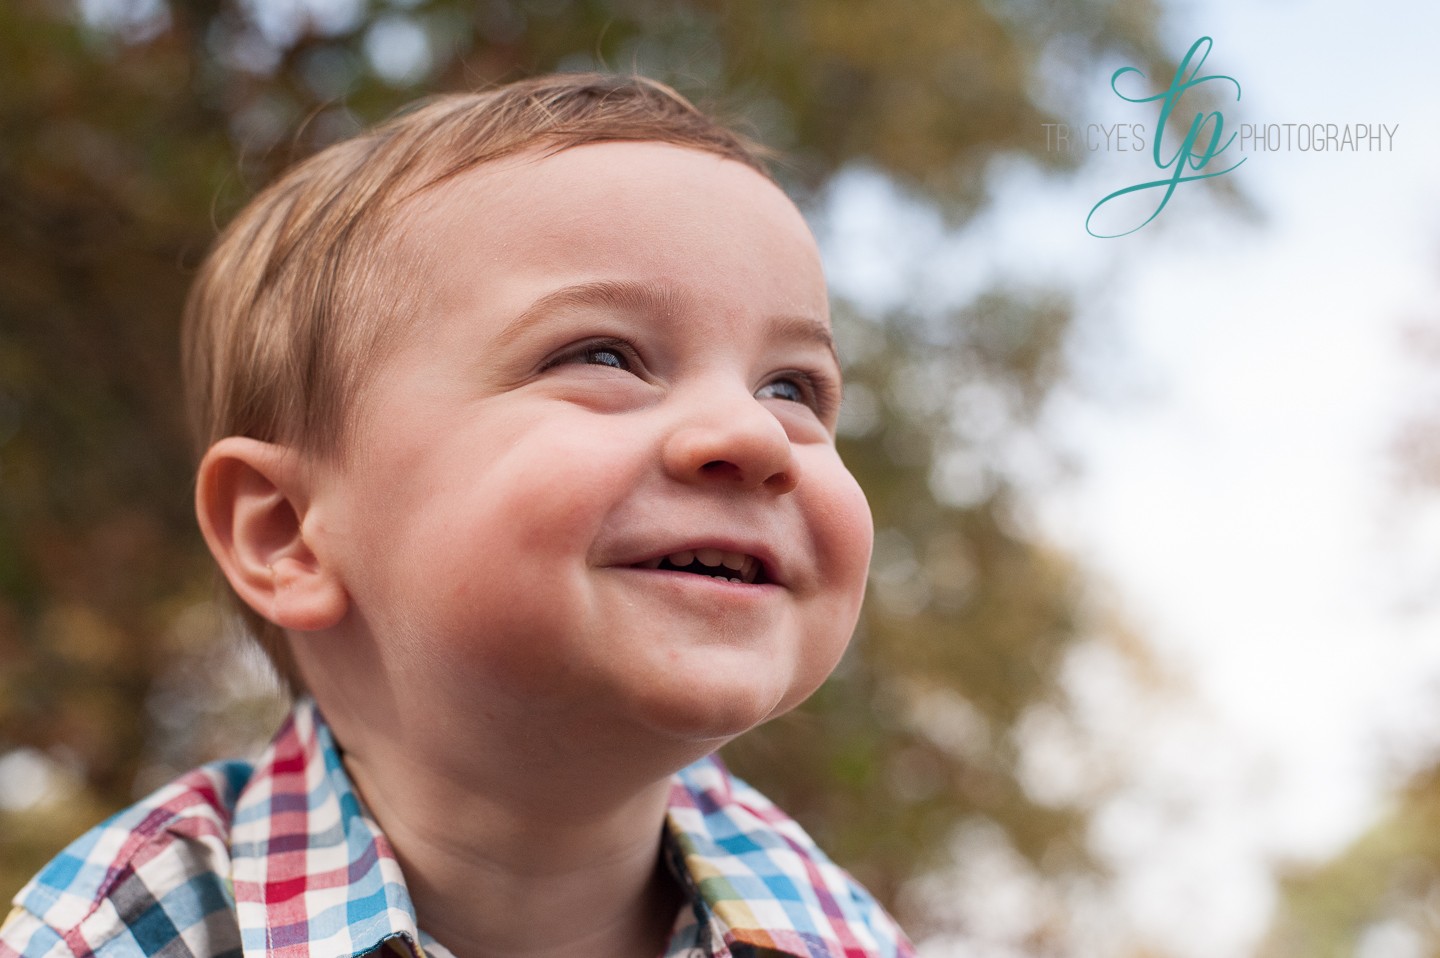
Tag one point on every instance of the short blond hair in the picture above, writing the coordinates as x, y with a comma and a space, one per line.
296, 302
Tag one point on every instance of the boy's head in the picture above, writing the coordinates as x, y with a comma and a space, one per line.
474, 383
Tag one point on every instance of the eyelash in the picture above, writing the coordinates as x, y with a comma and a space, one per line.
817, 390
618, 346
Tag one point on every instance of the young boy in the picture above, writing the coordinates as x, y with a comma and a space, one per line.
518, 424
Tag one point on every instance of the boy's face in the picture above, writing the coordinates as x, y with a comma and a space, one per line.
622, 355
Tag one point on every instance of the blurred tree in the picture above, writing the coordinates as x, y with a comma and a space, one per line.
1381, 895
130, 128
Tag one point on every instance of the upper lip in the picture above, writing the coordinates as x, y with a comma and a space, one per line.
772, 571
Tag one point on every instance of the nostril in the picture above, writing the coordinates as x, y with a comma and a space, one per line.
785, 481
719, 467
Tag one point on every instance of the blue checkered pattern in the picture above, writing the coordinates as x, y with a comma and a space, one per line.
278, 858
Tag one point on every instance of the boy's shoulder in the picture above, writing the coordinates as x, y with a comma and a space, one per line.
149, 879
278, 857
231, 859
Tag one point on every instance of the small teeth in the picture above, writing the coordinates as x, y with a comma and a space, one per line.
714, 558
745, 568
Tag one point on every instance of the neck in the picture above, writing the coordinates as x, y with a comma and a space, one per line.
497, 878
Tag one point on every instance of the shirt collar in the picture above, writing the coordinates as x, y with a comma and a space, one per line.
314, 877
313, 874
760, 880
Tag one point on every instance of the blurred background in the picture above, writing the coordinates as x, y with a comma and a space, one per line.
1150, 662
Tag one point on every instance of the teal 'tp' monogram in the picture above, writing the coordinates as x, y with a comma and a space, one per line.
1192, 159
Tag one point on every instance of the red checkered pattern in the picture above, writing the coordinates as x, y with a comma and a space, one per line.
279, 860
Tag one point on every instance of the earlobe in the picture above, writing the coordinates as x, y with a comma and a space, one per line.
251, 499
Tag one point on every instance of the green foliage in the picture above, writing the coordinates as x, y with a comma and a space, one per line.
124, 143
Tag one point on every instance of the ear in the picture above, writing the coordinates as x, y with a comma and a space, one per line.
251, 498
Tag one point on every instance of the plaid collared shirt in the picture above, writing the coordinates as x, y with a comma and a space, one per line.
279, 858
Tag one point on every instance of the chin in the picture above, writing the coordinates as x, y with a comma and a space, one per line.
709, 713
712, 705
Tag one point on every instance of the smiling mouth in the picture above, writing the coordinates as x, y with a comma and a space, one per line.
715, 563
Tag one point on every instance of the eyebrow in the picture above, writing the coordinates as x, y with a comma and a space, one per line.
639, 296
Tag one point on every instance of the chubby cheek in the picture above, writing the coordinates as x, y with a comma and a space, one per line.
502, 579
843, 536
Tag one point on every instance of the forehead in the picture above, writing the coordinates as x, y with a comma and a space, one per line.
723, 240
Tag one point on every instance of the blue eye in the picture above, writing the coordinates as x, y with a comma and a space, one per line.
605, 356
783, 389
817, 391
614, 353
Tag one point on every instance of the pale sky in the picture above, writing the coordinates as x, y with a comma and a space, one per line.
1239, 386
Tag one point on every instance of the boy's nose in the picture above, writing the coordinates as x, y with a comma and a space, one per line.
732, 439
